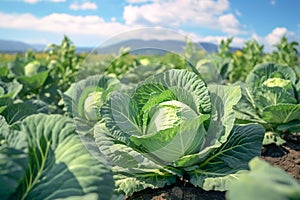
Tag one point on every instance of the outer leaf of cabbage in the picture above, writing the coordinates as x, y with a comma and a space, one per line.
9, 90
14, 113
35, 81
59, 166
13, 159
133, 171
282, 113
264, 181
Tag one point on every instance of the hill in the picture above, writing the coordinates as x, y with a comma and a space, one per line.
137, 46
152, 46
10, 46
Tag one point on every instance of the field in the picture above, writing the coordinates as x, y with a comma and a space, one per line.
187, 125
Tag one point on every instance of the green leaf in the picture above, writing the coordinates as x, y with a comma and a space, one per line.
223, 99
4, 71
262, 72
188, 81
60, 166
13, 159
246, 109
10, 90
120, 117
133, 171
132, 182
297, 87
273, 96
35, 81
221, 123
281, 113
227, 162
119, 153
264, 181
293, 126
17, 112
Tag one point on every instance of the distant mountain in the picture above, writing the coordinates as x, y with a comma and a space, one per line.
9, 46
153, 46
137, 46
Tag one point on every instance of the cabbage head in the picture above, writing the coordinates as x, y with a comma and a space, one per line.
174, 126
271, 97
32, 68
84, 99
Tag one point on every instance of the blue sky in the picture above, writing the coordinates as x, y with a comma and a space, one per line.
90, 22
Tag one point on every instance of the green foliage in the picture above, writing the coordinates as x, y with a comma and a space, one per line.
44, 159
264, 181
245, 60
155, 119
172, 125
64, 63
286, 53
271, 98
236, 65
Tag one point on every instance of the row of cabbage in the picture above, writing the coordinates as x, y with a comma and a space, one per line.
112, 138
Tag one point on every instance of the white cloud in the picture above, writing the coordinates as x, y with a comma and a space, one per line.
62, 23
84, 6
275, 36
31, 1
229, 24
173, 13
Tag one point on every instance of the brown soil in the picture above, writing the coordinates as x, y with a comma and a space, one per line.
177, 192
286, 156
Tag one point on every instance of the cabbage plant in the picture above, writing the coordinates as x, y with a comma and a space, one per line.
271, 97
84, 98
174, 126
43, 158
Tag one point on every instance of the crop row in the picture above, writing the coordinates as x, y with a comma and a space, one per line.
147, 121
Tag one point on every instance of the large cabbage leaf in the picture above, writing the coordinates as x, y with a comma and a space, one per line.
132, 170
8, 92
13, 159
59, 165
264, 181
